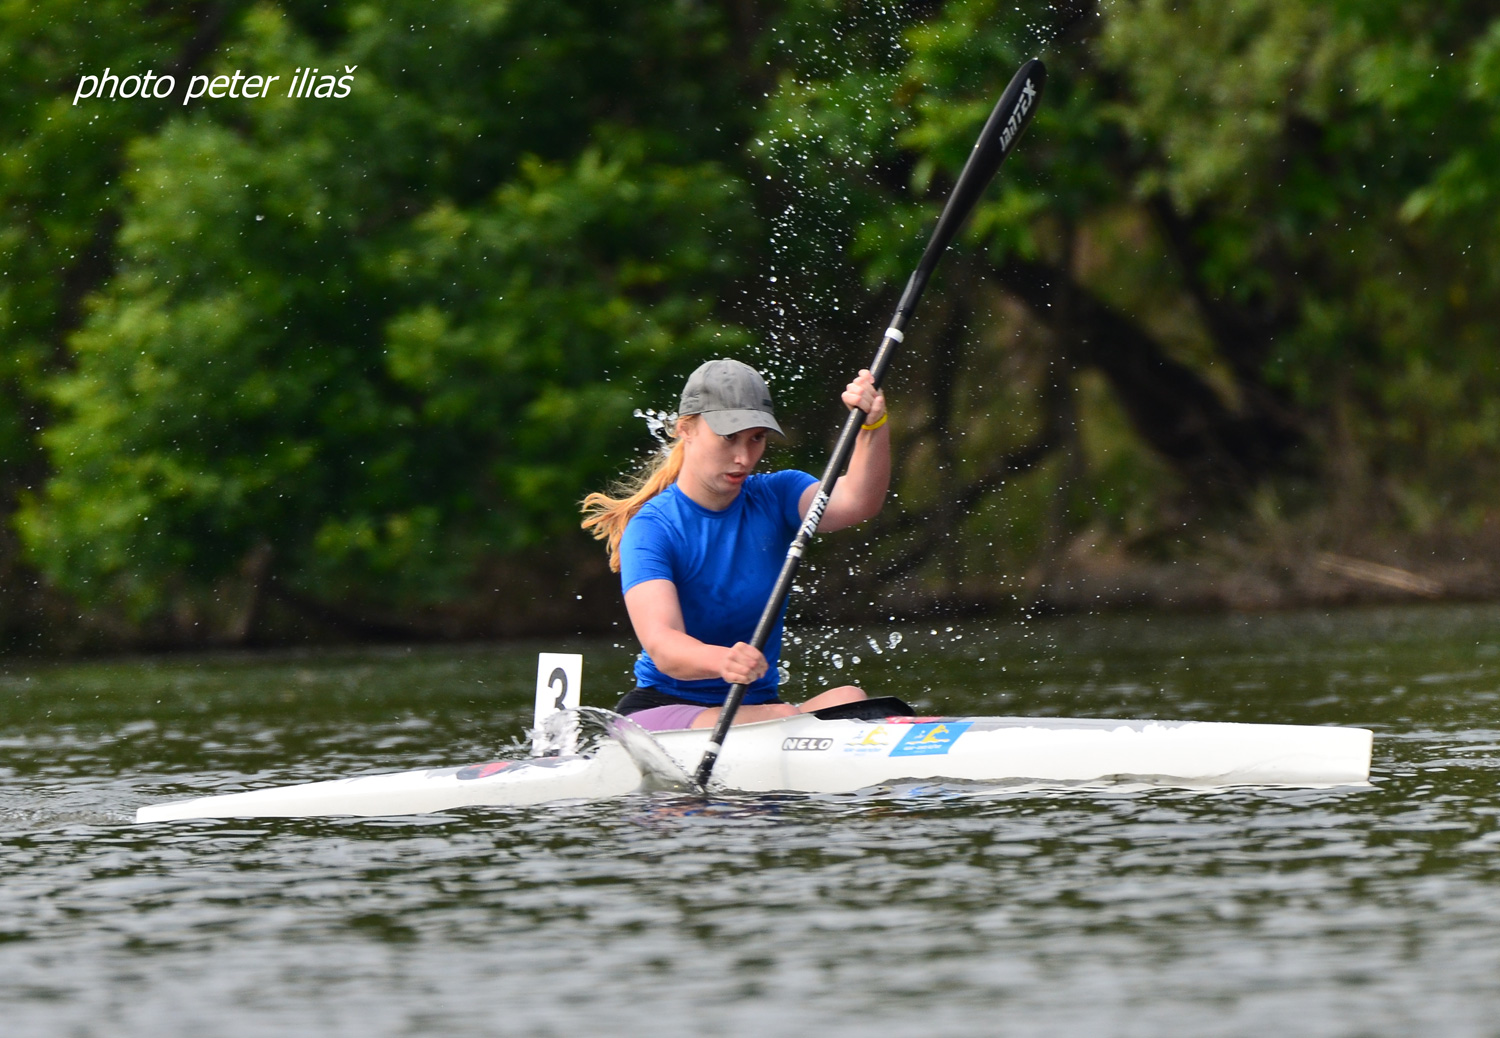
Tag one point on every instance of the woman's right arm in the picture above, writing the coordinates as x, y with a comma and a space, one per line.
656, 615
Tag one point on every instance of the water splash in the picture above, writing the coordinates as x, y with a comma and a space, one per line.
660, 424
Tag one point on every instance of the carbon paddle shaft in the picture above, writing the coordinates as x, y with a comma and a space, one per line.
1006, 123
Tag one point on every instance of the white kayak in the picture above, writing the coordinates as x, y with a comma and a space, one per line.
812, 754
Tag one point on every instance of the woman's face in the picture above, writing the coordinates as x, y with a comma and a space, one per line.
719, 464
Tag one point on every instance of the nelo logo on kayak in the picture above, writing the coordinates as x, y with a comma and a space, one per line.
804, 742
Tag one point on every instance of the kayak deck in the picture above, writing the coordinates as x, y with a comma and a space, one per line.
810, 754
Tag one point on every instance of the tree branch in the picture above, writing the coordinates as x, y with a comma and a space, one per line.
939, 525
1170, 405
1243, 333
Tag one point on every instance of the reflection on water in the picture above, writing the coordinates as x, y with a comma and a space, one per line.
917, 910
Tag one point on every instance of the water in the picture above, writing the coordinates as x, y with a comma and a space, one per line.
1343, 912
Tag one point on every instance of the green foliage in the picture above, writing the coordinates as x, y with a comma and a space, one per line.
323, 336
59, 185
394, 338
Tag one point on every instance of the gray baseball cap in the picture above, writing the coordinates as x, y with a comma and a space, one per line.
730, 396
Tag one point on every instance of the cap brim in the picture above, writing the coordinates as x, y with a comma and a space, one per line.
727, 423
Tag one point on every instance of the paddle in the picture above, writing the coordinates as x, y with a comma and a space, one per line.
1010, 118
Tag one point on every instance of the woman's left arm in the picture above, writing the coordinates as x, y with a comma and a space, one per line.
861, 490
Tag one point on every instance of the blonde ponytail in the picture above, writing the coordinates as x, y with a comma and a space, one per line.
605, 517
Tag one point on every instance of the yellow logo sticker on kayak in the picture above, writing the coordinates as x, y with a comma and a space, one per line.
876, 740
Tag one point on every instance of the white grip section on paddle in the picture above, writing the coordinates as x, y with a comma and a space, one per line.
810, 523
559, 687
895, 333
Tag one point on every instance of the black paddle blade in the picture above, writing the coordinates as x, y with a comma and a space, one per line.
1012, 114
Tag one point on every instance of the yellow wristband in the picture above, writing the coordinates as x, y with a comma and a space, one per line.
883, 419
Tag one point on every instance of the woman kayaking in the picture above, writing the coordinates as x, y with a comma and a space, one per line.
698, 538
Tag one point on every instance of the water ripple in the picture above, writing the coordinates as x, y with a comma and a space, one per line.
916, 910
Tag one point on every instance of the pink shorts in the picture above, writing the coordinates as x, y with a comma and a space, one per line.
667, 718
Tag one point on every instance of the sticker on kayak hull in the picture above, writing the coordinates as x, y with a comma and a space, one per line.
873, 741
479, 771
929, 740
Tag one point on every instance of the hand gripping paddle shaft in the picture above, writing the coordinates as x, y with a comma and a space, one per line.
1006, 123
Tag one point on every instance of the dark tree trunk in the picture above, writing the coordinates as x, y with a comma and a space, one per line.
1219, 452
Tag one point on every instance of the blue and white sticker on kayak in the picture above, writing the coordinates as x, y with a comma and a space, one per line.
929, 740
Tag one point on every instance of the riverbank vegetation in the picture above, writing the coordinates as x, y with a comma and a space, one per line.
1223, 332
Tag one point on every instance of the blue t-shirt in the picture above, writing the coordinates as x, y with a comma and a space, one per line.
724, 565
